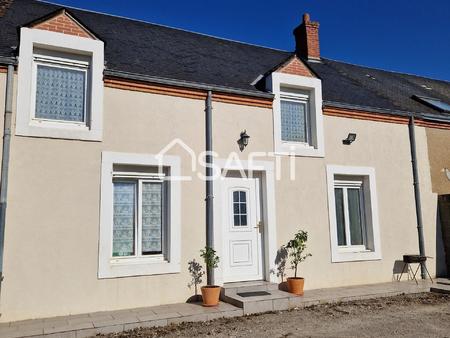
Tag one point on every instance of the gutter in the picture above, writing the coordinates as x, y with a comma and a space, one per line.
412, 141
5, 60
423, 116
209, 183
5, 161
186, 84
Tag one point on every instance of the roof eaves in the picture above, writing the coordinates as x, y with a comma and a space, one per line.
429, 117
8, 60
186, 84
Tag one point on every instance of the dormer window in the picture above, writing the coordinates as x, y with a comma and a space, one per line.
295, 120
297, 114
60, 86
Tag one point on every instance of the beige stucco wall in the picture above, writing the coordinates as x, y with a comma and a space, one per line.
51, 250
439, 156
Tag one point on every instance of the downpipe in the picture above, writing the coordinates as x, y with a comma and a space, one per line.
412, 141
5, 162
209, 183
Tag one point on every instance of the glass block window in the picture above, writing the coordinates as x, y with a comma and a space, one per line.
240, 208
350, 221
60, 94
138, 220
294, 122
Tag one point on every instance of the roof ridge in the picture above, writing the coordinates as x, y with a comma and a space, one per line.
387, 71
161, 25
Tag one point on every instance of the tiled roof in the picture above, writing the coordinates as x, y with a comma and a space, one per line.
147, 49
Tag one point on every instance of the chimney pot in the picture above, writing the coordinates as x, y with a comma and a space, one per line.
306, 18
307, 39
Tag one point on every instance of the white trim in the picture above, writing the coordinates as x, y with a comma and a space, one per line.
268, 214
313, 86
357, 253
52, 41
109, 267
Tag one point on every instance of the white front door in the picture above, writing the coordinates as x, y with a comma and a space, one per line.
242, 230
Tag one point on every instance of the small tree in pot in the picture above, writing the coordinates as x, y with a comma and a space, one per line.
197, 272
296, 248
210, 293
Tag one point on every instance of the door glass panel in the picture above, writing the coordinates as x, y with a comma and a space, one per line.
240, 208
124, 218
354, 213
340, 219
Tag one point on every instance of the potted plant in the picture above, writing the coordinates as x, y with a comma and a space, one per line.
196, 271
210, 293
296, 248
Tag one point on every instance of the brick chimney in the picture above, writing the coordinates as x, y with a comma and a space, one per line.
307, 39
4, 5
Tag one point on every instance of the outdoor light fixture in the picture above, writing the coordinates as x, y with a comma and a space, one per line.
447, 173
243, 140
350, 139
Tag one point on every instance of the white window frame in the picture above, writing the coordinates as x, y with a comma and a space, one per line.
313, 87
303, 99
79, 64
139, 180
371, 221
345, 186
37, 46
139, 265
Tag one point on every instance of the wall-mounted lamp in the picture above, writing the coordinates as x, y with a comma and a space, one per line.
243, 140
447, 173
350, 139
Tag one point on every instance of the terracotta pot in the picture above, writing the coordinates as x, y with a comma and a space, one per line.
210, 295
295, 285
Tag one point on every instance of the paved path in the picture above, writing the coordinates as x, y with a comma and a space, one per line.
86, 325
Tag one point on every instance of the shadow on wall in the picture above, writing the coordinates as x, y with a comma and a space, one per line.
443, 236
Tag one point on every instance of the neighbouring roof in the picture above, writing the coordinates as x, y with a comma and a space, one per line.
152, 50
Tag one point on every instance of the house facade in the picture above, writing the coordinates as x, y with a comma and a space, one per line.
105, 165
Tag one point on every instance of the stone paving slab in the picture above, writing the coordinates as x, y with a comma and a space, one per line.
88, 325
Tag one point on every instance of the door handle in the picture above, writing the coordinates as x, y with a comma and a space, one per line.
259, 225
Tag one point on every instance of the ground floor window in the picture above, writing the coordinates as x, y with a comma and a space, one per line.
353, 213
139, 215
139, 220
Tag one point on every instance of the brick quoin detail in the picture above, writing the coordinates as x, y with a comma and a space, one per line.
295, 67
62, 23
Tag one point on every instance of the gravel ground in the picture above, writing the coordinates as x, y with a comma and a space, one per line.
420, 315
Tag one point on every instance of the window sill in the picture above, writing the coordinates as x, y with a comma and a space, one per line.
138, 267
298, 149
354, 255
61, 130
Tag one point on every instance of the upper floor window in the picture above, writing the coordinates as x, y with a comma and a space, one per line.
297, 114
60, 86
295, 121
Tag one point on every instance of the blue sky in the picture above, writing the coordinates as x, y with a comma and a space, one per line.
411, 36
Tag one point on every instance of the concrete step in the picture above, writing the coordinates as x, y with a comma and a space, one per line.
239, 287
441, 285
275, 300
